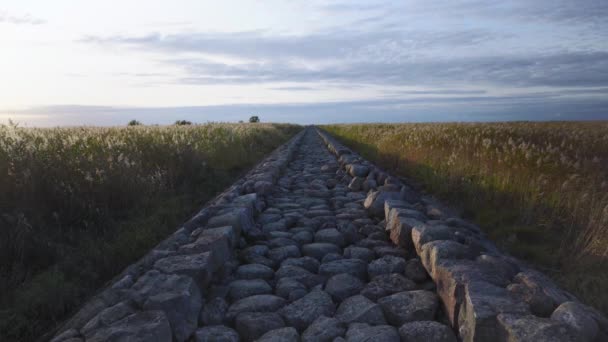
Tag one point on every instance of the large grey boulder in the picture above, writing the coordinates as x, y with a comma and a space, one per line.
330, 235
359, 309
240, 219
409, 306
385, 265
218, 333
342, 286
514, 327
577, 317
323, 329
252, 325
290, 289
214, 312
374, 202
199, 267
177, 296
305, 310
281, 253
362, 253
139, 327
361, 332
108, 316
428, 331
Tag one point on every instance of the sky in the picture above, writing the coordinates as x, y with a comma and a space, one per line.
67, 62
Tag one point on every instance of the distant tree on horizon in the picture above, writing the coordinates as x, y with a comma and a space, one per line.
254, 118
182, 123
134, 123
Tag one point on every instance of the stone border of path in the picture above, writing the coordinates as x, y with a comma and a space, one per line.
486, 294
160, 296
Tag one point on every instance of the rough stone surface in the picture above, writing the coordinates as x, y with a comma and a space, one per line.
359, 309
428, 331
252, 325
287, 334
409, 306
342, 286
304, 311
361, 332
324, 329
216, 334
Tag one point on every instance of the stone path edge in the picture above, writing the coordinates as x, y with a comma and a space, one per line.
487, 294
236, 206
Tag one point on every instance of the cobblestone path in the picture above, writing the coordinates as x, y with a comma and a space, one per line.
318, 268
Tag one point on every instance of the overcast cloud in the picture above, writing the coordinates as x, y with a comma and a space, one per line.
386, 61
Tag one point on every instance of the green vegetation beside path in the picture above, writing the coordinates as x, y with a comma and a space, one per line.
539, 190
78, 205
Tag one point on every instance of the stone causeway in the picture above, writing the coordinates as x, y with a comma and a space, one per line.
317, 244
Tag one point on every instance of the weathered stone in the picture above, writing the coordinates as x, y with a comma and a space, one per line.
252, 325
355, 267
280, 239
218, 241
305, 310
66, 335
361, 253
257, 303
300, 274
309, 263
323, 329
385, 265
108, 316
290, 289
433, 252
482, 303
319, 250
199, 267
254, 271
382, 251
342, 286
177, 295
427, 331
576, 316
409, 306
303, 237
287, 334
331, 257
361, 332
400, 225
421, 234
356, 183
358, 170
140, 326
374, 202
215, 334
394, 204
387, 284
359, 309
518, 328
240, 219
281, 253
263, 187
415, 271
331, 235
214, 312
248, 287
536, 281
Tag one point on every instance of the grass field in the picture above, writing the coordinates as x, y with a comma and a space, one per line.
77, 205
540, 190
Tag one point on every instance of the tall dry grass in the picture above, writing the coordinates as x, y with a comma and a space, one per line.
538, 189
77, 205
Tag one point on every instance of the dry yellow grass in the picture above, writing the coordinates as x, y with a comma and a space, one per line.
77, 205
538, 189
